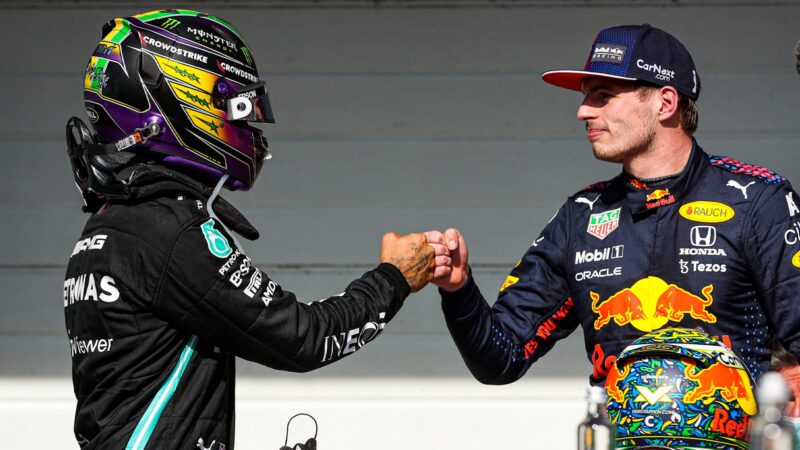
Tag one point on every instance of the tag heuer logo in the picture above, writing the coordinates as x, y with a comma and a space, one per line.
602, 224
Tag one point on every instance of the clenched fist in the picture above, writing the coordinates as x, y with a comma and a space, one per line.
412, 255
451, 273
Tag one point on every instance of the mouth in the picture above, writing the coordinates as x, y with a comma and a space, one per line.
594, 134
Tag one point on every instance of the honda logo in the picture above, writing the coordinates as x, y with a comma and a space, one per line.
703, 236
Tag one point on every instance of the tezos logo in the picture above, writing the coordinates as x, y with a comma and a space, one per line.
217, 243
92, 114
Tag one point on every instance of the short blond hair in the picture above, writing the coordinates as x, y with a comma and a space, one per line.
687, 108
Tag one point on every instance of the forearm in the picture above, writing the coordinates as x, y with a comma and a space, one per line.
491, 354
301, 337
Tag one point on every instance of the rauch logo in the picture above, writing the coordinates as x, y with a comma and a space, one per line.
707, 212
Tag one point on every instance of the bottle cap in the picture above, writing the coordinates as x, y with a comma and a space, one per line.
596, 394
773, 389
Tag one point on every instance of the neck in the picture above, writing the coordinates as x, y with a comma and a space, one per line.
665, 157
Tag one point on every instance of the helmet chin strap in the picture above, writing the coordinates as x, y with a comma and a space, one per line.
214, 194
210, 208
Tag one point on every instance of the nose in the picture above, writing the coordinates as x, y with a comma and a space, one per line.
586, 112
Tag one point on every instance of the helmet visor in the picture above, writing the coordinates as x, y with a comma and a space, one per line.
250, 103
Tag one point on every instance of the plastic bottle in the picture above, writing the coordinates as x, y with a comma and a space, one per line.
771, 431
595, 432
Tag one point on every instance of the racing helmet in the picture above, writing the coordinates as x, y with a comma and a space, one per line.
181, 85
677, 388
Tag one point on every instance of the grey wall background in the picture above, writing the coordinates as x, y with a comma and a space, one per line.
394, 115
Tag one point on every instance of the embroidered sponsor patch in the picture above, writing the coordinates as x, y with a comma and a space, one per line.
510, 281
602, 224
217, 243
609, 53
708, 212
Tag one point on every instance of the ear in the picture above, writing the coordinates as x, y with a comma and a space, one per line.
668, 109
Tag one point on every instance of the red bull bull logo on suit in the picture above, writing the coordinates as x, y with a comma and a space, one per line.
650, 304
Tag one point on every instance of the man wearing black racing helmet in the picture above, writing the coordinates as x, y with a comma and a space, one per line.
159, 297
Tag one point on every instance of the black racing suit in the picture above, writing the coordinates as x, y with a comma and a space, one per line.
715, 247
158, 302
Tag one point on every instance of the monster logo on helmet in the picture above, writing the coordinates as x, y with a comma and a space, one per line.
677, 388
167, 68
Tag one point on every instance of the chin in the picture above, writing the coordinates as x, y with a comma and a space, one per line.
603, 154
609, 157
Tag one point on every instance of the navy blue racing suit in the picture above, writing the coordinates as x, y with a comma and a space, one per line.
714, 247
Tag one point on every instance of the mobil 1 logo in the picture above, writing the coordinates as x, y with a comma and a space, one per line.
600, 254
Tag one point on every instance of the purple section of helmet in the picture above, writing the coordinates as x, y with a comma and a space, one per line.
126, 119
103, 49
204, 174
167, 142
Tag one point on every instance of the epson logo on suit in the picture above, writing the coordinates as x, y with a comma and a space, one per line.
604, 254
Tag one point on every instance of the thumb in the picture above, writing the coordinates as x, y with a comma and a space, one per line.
453, 238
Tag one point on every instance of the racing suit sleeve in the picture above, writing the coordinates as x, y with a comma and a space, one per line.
533, 310
211, 289
772, 244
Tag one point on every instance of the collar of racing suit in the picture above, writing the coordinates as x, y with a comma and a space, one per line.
147, 181
644, 196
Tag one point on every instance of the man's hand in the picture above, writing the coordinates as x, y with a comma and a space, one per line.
450, 277
412, 255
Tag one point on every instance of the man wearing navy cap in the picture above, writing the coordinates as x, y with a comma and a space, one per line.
679, 238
